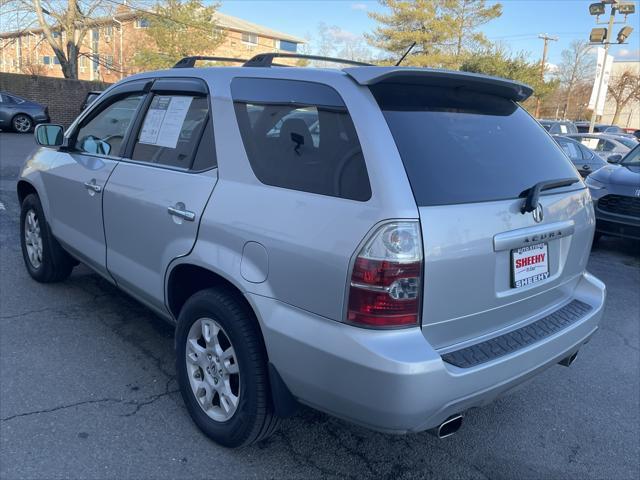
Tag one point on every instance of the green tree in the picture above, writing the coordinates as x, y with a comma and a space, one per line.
424, 22
444, 31
178, 29
467, 16
498, 62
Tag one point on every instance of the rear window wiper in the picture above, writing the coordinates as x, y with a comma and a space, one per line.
533, 194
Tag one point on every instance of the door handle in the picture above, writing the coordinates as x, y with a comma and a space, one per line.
178, 210
93, 187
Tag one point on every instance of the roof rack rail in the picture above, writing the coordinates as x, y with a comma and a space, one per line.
266, 59
190, 62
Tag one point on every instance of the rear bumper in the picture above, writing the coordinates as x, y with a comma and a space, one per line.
395, 381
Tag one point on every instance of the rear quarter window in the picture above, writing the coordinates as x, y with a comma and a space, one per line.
300, 136
460, 146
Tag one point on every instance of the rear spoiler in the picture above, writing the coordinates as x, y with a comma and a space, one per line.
441, 78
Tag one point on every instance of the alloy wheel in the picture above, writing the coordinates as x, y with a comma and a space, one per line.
22, 124
213, 370
33, 239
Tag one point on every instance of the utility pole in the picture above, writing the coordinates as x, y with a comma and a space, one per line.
607, 42
547, 39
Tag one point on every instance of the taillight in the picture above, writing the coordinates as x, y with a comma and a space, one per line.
386, 278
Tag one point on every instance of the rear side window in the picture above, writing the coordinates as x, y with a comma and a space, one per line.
459, 146
171, 130
571, 149
300, 136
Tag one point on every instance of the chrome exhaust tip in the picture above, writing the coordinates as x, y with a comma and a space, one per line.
450, 426
566, 362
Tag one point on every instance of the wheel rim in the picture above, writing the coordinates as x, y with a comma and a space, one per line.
22, 124
33, 239
213, 371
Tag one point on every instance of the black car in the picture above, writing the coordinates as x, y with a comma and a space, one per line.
583, 127
615, 190
585, 160
558, 127
20, 114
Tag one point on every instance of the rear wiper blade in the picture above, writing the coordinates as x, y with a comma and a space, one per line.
533, 193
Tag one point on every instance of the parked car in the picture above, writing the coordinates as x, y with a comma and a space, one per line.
615, 190
636, 134
603, 145
89, 98
558, 127
425, 256
19, 114
583, 127
585, 160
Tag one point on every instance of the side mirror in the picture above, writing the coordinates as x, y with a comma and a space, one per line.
49, 135
614, 158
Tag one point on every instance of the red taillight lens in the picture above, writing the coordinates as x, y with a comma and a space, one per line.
386, 278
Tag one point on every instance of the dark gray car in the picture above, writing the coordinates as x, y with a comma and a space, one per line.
585, 160
20, 114
615, 190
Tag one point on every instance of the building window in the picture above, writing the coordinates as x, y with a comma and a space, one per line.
56, 34
250, 38
142, 23
95, 34
288, 46
55, 60
108, 30
108, 62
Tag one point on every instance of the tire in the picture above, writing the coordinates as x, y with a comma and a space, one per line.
22, 123
253, 418
45, 259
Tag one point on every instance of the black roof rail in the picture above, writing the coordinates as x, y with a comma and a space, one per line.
266, 59
190, 62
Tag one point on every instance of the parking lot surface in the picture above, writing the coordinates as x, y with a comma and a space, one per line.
88, 390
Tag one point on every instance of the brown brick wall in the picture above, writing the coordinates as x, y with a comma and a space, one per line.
63, 97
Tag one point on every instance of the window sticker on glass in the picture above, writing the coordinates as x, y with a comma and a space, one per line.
164, 120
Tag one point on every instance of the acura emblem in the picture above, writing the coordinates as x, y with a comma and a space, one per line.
538, 214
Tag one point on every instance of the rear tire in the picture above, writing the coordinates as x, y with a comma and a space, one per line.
218, 314
22, 123
45, 259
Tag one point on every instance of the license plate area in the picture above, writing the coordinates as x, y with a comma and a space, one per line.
529, 265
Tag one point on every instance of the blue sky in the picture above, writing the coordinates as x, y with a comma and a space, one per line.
517, 28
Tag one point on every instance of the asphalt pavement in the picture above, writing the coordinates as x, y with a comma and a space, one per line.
88, 390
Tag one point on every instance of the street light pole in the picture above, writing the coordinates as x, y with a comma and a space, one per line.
603, 68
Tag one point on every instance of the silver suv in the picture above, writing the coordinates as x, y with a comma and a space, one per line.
393, 246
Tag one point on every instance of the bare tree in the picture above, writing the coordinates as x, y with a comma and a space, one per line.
577, 66
624, 88
64, 24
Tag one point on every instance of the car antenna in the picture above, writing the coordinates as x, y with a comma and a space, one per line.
405, 54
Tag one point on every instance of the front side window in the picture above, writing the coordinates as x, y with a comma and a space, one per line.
300, 136
633, 158
104, 133
171, 130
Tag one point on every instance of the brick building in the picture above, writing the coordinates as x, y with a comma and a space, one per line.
110, 45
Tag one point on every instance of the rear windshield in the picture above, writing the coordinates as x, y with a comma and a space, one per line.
461, 147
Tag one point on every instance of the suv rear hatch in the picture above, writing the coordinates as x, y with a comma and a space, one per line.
472, 155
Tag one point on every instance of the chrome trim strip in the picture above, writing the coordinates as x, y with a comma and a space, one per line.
532, 235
